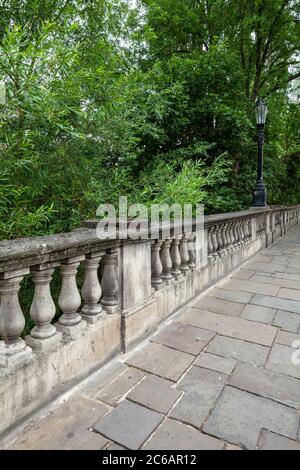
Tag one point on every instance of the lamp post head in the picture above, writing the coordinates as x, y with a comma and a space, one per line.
2, 93
260, 112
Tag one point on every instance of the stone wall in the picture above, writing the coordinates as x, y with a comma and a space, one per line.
129, 288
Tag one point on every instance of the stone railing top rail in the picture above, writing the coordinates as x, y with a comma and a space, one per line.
24, 252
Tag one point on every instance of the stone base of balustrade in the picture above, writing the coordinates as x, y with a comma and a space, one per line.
93, 319
73, 331
40, 377
44, 344
139, 322
111, 309
10, 361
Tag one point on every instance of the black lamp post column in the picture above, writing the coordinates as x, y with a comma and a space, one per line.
260, 193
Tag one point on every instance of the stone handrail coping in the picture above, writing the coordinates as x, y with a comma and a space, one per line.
24, 252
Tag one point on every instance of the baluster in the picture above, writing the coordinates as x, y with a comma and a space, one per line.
245, 229
233, 237
70, 322
230, 237
236, 236
214, 243
220, 241
42, 310
224, 239
166, 261
209, 245
109, 281
91, 289
192, 251
175, 257
13, 349
156, 266
184, 255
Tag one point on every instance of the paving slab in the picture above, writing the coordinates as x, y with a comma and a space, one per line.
276, 302
277, 281
243, 274
233, 296
264, 267
155, 393
129, 424
212, 304
292, 294
185, 338
103, 377
232, 447
293, 270
288, 339
242, 351
290, 277
285, 360
287, 321
172, 435
66, 428
202, 388
258, 314
239, 417
251, 287
112, 393
217, 363
231, 326
271, 441
162, 361
267, 384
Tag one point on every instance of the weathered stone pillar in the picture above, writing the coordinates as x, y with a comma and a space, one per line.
156, 266
70, 323
91, 290
209, 245
184, 255
109, 281
192, 251
13, 349
42, 310
166, 260
176, 258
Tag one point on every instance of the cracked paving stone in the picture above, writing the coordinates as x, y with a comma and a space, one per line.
202, 388
239, 417
185, 338
285, 360
232, 327
129, 424
155, 393
160, 360
272, 441
219, 306
287, 321
267, 383
112, 393
258, 314
172, 435
240, 350
217, 363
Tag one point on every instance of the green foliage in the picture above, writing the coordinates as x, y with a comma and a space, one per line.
154, 102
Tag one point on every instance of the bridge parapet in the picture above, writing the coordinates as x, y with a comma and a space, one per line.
111, 295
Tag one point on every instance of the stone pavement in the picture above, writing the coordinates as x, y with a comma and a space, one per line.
222, 374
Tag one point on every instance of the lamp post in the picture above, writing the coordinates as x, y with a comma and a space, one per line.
260, 193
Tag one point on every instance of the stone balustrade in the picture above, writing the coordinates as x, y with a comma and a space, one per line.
111, 295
